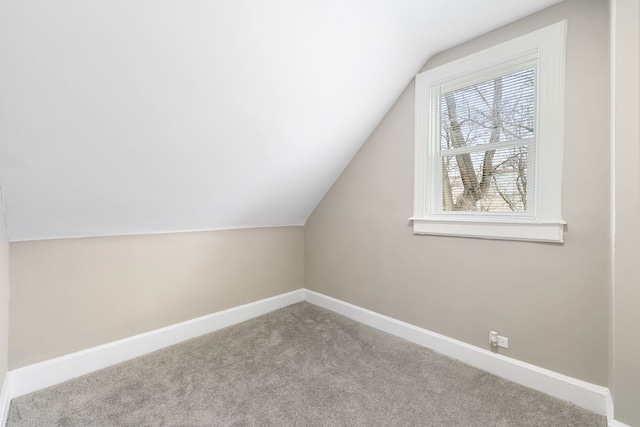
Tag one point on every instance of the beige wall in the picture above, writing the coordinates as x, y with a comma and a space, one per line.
626, 284
4, 299
71, 294
551, 301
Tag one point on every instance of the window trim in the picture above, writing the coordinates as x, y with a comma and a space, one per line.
545, 223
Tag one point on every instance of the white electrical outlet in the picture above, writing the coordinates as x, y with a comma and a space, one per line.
503, 342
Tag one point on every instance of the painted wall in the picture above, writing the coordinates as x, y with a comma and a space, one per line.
625, 379
550, 300
4, 299
72, 294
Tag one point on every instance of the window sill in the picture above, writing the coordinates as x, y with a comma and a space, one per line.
523, 230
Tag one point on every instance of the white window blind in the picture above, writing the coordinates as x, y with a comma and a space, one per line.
486, 132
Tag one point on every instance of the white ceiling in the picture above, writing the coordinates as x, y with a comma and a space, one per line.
144, 116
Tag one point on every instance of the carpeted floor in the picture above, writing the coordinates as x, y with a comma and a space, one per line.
298, 366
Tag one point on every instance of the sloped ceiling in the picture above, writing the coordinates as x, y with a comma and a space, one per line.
143, 116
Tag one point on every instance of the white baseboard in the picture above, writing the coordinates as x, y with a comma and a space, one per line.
54, 371
5, 399
35, 377
586, 395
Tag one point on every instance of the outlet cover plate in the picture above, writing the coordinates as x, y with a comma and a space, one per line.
503, 342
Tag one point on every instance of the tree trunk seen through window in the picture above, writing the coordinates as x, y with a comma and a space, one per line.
486, 135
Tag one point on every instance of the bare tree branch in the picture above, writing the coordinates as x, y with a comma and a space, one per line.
479, 116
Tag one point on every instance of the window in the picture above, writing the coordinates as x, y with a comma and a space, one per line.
489, 138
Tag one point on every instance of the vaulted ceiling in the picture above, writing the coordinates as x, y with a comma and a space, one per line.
144, 116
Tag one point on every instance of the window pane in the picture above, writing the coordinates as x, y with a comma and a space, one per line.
486, 181
498, 110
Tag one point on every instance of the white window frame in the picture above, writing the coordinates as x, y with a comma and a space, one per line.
544, 221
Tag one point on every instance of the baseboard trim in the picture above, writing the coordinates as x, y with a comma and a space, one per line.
586, 395
45, 374
55, 371
5, 399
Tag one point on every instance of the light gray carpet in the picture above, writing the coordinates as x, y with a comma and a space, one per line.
299, 366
